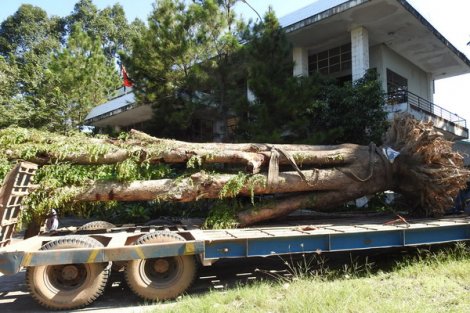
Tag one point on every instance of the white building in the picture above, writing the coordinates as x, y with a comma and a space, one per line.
344, 38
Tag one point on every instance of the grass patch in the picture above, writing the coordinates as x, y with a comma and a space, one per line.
426, 282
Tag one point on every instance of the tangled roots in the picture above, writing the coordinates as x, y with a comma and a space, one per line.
429, 172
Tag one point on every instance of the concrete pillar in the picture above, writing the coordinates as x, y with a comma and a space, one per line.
300, 56
359, 52
430, 87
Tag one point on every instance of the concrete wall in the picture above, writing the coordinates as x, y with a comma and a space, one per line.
419, 82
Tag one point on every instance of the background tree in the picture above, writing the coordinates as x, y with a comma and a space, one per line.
78, 77
225, 66
27, 39
29, 30
9, 88
355, 111
185, 65
269, 69
109, 26
49, 63
313, 109
163, 64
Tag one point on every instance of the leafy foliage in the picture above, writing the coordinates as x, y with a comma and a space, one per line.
31, 144
161, 66
29, 31
222, 214
184, 65
108, 26
313, 109
57, 72
78, 78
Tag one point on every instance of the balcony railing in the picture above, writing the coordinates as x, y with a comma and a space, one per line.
420, 104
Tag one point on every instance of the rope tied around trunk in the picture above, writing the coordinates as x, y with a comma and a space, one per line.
273, 171
373, 149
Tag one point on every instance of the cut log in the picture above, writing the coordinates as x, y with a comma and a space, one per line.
86, 151
422, 167
205, 186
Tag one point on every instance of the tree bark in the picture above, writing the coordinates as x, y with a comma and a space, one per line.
154, 150
426, 170
202, 185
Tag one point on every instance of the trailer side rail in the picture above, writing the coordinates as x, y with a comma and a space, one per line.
11, 262
331, 238
212, 245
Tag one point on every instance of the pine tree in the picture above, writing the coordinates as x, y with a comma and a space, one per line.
184, 64
163, 64
79, 78
313, 109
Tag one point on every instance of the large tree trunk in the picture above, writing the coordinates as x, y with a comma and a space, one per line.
326, 187
426, 170
204, 186
155, 150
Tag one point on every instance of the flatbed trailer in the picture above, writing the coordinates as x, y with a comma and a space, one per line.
69, 268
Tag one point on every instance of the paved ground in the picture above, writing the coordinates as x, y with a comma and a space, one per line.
14, 296
118, 298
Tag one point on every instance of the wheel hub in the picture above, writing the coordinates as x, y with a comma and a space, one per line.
161, 266
69, 272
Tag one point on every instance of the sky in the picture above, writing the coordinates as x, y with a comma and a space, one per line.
449, 17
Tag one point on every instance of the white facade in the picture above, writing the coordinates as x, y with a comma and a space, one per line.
383, 58
343, 39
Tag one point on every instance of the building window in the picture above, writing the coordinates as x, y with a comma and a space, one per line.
397, 88
396, 82
202, 130
331, 61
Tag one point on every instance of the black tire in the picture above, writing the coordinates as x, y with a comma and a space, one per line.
161, 278
96, 225
70, 286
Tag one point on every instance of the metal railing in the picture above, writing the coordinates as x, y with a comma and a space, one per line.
423, 105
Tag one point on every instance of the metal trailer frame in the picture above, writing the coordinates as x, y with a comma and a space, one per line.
212, 245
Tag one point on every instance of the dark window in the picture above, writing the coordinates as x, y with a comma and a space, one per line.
397, 88
203, 130
344, 80
331, 61
396, 82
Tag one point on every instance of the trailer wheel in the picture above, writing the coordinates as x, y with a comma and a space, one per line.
160, 278
68, 286
96, 225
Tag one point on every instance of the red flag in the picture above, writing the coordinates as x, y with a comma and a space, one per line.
126, 81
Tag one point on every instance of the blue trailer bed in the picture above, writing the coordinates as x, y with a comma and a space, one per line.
303, 236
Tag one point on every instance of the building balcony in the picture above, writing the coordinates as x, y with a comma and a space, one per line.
453, 126
120, 111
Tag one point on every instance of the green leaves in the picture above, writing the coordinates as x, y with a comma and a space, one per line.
78, 79
311, 110
184, 65
55, 71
